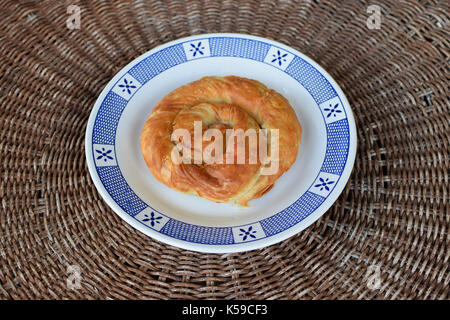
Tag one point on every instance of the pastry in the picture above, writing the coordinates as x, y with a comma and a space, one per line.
223, 106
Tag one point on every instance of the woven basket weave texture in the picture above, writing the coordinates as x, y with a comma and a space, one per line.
392, 219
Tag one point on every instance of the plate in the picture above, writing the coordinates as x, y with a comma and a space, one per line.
323, 166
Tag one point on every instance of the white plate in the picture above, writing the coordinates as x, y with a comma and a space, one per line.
300, 196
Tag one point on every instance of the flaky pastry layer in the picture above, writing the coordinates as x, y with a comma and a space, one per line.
221, 103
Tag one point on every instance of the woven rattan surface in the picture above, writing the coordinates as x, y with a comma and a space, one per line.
392, 218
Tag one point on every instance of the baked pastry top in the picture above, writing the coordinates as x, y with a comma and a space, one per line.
220, 103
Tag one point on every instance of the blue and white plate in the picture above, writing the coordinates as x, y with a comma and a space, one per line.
300, 196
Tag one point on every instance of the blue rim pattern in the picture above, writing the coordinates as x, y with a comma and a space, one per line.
115, 101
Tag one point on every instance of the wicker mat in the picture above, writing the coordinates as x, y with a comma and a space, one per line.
386, 237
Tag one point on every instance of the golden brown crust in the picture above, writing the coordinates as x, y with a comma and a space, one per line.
221, 103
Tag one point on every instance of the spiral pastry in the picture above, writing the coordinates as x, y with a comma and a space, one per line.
221, 103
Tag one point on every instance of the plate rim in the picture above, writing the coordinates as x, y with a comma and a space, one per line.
240, 246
